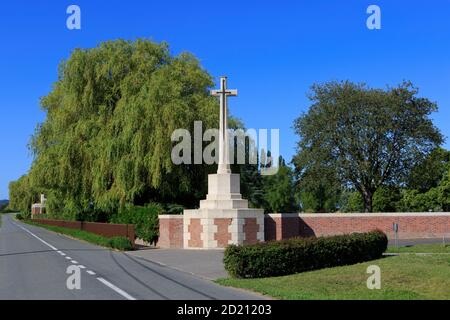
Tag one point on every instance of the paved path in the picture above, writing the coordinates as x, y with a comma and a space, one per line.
33, 264
206, 264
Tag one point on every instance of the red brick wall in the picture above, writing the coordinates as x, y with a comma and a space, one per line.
222, 235
414, 225
195, 229
170, 231
277, 228
251, 229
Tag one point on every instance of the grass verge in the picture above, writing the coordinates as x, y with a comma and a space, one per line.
119, 243
405, 277
421, 248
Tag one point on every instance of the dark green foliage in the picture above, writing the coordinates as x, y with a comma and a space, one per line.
7, 210
3, 204
279, 190
414, 201
4, 207
319, 197
19, 216
435, 199
386, 199
429, 172
106, 139
251, 179
290, 256
351, 201
120, 243
144, 218
317, 187
369, 137
172, 208
252, 185
22, 195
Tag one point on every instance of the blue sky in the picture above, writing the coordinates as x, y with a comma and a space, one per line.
272, 51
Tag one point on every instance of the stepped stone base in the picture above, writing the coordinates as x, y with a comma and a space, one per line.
223, 217
217, 228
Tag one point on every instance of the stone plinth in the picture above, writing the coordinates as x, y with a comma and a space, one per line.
223, 193
223, 217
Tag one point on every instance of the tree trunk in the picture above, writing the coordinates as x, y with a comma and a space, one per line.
368, 198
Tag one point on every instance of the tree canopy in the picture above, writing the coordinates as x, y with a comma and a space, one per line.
106, 138
369, 137
279, 190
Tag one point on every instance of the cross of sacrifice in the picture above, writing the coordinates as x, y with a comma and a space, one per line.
223, 93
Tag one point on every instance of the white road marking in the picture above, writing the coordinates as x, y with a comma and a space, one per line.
31, 233
74, 262
81, 266
105, 282
61, 253
116, 289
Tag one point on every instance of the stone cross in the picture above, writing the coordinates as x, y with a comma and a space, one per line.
223, 93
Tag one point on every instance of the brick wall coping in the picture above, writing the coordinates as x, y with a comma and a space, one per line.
284, 215
170, 216
349, 215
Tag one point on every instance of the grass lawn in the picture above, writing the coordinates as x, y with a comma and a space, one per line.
423, 248
119, 243
402, 277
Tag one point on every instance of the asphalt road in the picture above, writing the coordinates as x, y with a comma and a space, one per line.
34, 262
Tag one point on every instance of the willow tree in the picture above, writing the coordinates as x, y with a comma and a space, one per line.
106, 138
369, 137
22, 195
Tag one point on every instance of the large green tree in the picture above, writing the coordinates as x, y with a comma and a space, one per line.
318, 188
106, 139
370, 137
429, 173
279, 190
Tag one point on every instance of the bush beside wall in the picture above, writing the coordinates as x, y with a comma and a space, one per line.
277, 258
144, 218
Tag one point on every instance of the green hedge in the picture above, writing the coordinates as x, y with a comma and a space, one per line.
144, 218
277, 258
120, 243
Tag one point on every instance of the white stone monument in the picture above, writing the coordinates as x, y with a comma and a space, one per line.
223, 217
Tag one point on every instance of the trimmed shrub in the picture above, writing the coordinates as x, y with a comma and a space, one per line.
120, 243
145, 220
277, 258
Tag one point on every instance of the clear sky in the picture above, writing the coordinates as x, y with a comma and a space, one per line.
272, 51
